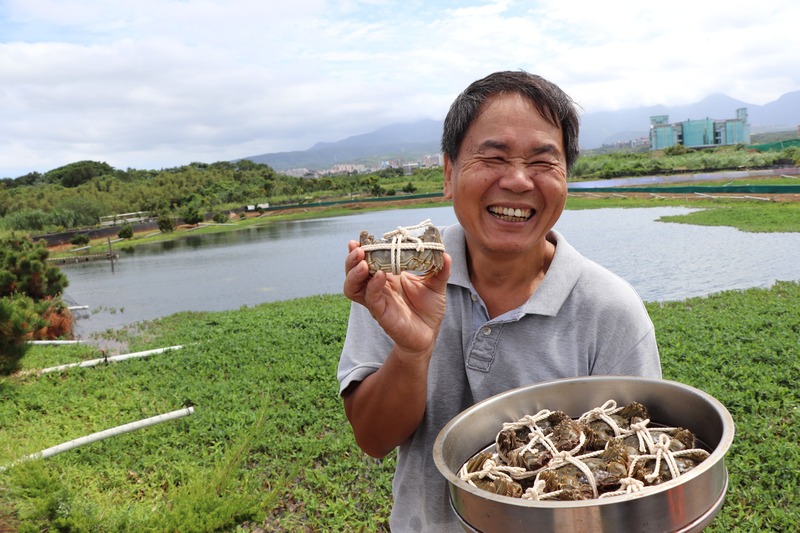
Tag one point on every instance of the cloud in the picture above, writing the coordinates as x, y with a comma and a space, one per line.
154, 83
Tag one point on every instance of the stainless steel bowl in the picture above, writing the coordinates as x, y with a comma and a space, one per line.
687, 503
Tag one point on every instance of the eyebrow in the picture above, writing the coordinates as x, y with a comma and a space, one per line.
492, 144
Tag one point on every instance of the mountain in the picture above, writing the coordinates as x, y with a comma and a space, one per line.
412, 141
406, 142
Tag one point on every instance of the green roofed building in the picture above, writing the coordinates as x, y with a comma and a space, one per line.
702, 133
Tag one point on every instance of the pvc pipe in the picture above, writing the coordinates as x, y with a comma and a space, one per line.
54, 342
77, 307
113, 358
101, 435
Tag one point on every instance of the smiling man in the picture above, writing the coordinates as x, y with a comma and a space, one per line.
514, 305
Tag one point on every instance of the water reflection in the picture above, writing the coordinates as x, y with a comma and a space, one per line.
291, 259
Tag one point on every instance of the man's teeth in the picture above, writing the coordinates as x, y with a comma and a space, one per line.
511, 212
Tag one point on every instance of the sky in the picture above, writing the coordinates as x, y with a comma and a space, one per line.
153, 84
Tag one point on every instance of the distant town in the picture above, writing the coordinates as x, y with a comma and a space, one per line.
691, 133
428, 161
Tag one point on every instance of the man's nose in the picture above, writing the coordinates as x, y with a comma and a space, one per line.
517, 177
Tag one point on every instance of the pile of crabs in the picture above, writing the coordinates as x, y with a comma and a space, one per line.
607, 451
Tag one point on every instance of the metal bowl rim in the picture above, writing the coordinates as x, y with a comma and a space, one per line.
716, 457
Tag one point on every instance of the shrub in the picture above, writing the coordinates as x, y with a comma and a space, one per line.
24, 269
18, 321
191, 215
220, 217
79, 239
166, 224
676, 149
125, 232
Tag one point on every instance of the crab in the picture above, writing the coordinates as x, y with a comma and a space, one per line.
398, 251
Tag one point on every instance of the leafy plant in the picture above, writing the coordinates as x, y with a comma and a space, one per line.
125, 232
18, 321
269, 447
79, 239
166, 223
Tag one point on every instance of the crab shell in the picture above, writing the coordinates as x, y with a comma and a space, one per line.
427, 261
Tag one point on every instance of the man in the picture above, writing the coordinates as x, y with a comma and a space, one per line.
513, 305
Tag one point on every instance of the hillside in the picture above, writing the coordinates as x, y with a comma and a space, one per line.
410, 141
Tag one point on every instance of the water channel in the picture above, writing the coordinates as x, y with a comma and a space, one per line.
285, 260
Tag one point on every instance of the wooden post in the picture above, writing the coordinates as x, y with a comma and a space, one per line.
110, 254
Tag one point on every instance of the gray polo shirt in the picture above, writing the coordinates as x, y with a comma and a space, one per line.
582, 320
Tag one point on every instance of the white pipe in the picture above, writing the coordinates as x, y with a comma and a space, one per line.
76, 307
101, 435
54, 342
113, 358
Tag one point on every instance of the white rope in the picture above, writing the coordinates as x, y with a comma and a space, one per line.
604, 413
494, 470
628, 485
657, 449
401, 239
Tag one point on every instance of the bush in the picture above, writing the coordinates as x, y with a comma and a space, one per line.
24, 269
191, 215
676, 149
166, 224
79, 239
18, 321
125, 232
220, 217
30, 302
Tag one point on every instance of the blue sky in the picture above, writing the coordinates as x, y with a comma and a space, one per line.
154, 83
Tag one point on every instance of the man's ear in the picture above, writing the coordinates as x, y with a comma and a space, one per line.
448, 178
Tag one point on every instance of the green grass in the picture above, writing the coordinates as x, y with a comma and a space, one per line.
269, 448
753, 217
268, 443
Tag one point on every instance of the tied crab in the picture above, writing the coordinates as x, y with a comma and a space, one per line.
607, 451
401, 251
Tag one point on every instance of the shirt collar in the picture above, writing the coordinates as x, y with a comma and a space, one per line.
553, 291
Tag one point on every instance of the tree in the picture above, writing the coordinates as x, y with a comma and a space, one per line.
191, 214
79, 239
18, 321
30, 295
74, 174
125, 232
24, 269
166, 223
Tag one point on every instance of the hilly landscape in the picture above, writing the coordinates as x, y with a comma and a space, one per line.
411, 141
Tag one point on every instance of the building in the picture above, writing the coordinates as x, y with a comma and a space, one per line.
699, 133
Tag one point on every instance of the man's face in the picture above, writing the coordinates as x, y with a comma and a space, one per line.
509, 183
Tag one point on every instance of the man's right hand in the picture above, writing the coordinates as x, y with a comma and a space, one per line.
408, 307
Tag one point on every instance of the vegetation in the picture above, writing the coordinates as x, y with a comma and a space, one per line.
749, 216
269, 448
78, 194
680, 160
30, 298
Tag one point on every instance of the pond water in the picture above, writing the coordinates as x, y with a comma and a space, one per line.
285, 260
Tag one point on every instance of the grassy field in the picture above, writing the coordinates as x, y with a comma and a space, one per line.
268, 447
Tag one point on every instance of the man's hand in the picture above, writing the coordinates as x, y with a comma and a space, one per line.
408, 307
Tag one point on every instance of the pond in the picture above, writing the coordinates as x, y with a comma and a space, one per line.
286, 260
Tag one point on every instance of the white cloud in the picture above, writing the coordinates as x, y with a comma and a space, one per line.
156, 83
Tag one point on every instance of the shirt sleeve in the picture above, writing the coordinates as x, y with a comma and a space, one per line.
365, 349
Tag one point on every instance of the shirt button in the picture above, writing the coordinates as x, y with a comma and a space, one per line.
474, 298
487, 331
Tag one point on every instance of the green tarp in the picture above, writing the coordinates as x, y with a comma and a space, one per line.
711, 189
776, 146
